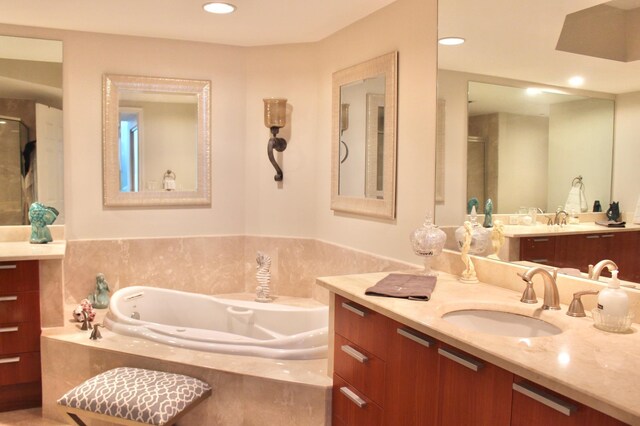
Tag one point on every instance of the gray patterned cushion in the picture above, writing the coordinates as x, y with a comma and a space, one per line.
145, 396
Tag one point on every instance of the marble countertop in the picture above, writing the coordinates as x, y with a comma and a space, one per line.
542, 230
591, 366
23, 250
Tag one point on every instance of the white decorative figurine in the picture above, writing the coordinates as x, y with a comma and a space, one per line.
469, 273
497, 239
263, 276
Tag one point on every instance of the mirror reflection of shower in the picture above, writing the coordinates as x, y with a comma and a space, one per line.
16, 167
477, 169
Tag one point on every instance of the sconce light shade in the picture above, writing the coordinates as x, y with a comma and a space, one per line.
344, 117
275, 112
275, 117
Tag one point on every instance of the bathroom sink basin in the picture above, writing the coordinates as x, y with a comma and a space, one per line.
500, 323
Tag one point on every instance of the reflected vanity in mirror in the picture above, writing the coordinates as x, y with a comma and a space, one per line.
156, 146
31, 141
519, 53
363, 160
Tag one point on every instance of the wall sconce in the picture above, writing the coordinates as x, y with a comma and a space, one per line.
275, 117
344, 125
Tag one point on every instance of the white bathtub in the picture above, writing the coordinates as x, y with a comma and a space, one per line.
213, 324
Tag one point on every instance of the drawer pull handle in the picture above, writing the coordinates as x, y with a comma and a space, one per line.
9, 360
357, 355
353, 309
543, 260
8, 266
468, 362
607, 236
545, 398
540, 240
592, 237
8, 329
416, 337
353, 397
8, 298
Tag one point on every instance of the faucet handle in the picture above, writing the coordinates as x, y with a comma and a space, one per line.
576, 308
529, 294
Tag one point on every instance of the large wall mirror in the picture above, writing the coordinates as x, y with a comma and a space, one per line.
31, 141
482, 88
363, 146
156, 141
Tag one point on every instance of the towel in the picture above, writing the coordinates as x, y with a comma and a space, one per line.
576, 200
412, 287
611, 223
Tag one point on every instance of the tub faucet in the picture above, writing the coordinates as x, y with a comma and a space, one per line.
595, 271
551, 296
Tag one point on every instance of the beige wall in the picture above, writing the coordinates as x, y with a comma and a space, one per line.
572, 126
626, 152
245, 198
408, 26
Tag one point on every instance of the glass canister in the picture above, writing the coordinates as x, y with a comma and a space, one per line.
428, 242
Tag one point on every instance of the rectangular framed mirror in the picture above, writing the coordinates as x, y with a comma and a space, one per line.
156, 141
363, 144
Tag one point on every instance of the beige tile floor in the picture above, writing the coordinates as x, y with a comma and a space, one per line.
30, 417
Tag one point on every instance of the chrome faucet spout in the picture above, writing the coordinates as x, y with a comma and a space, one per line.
551, 298
595, 271
561, 218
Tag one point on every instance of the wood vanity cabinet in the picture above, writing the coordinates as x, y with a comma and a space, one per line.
388, 374
580, 250
533, 405
20, 383
472, 391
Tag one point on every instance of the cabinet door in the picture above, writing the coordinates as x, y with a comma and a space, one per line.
533, 405
472, 392
578, 251
538, 249
412, 371
626, 245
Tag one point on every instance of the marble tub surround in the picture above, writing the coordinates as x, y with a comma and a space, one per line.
212, 264
591, 366
245, 389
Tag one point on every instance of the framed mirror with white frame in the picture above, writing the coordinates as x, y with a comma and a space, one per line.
363, 144
156, 141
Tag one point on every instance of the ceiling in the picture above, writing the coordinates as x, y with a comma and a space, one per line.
516, 39
254, 23
508, 38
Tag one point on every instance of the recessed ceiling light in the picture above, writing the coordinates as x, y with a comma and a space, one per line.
219, 8
451, 41
576, 81
532, 91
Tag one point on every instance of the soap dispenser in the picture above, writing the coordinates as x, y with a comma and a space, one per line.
613, 306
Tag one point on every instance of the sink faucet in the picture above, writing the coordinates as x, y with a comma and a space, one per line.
551, 296
561, 218
595, 271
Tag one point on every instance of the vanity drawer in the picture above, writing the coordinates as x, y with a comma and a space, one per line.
19, 307
19, 276
21, 337
362, 326
363, 370
19, 368
352, 408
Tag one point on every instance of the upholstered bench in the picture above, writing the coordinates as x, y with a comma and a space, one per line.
134, 396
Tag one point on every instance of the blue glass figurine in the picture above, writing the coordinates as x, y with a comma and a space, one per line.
488, 212
100, 299
41, 216
473, 201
